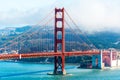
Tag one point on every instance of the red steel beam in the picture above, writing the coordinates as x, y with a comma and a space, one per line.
49, 54
27, 55
81, 53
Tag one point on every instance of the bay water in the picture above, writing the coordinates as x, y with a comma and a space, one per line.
37, 71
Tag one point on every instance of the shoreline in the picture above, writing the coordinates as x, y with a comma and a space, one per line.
14, 61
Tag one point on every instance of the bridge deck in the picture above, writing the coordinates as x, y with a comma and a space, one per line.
47, 54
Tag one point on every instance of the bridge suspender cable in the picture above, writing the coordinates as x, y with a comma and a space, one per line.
30, 28
75, 34
79, 29
30, 34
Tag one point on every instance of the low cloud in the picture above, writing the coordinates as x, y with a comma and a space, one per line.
90, 15
97, 15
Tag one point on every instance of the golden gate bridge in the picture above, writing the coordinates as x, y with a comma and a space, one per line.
59, 54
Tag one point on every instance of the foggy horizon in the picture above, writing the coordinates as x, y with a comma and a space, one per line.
90, 15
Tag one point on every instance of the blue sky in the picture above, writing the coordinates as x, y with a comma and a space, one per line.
96, 15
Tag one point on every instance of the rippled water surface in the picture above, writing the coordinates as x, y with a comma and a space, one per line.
32, 71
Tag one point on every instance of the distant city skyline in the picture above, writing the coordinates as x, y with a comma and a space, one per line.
95, 15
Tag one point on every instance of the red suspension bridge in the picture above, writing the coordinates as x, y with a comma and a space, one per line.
59, 54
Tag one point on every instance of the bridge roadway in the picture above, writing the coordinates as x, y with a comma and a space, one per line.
49, 54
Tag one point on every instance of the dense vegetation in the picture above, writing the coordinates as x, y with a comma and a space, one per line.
39, 40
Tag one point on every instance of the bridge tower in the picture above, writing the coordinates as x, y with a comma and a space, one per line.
59, 41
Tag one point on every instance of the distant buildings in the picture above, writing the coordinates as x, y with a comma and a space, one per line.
9, 52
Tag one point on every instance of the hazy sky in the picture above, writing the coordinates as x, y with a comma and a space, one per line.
90, 15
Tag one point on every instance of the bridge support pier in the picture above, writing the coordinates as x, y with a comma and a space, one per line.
59, 68
97, 61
